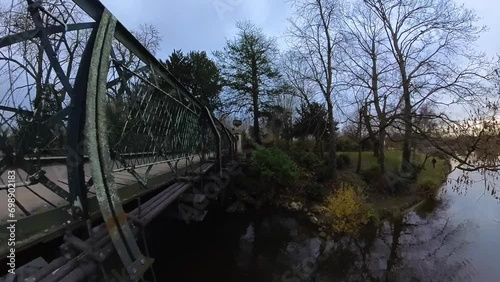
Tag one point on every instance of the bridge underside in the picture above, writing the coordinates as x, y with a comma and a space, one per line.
77, 262
90, 120
43, 215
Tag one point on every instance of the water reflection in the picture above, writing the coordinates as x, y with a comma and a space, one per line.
421, 249
454, 239
411, 248
246, 247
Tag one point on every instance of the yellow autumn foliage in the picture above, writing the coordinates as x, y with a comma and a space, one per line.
348, 210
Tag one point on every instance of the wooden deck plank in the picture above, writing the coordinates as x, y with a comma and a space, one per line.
58, 174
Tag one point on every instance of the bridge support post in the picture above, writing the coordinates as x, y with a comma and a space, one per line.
99, 154
237, 135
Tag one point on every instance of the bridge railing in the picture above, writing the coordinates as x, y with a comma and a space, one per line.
75, 80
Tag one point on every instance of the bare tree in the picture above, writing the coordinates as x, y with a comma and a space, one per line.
430, 42
296, 73
39, 60
149, 36
369, 67
314, 34
28, 60
125, 60
44, 43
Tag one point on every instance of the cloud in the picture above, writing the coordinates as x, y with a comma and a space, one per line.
199, 24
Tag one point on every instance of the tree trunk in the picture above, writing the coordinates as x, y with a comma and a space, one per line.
255, 98
360, 136
406, 159
372, 135
376, 147
332, 160
256, 129
321, 149
381, 146
317, 146
360, 156
393, 256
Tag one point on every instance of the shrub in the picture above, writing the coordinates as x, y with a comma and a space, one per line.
323, 173
274, 165
394, 182
348, 210
373, 216
315, 192
351, 179
417, 169
345, 144
371, 174
282, 144
308, 160
343, 161
303, 146
246, 141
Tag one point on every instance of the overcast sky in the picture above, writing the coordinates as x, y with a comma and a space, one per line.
205, 24
200, 24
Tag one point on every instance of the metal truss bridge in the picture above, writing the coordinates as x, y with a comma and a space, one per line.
95, 135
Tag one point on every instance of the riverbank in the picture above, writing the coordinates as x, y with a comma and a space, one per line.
427, 185
352, 199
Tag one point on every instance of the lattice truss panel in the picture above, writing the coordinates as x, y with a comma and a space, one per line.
154, 126
40, 53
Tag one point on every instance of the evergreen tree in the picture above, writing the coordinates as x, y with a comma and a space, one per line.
248, 68
199, 74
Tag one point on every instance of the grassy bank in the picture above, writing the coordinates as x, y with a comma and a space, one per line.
393, 159
428, 182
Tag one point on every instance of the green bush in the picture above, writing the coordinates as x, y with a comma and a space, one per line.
282, 144
394, 182
308, 160
345, 144
301, 146
390, 181
351, 179
371, 174
274, 165
323, 173
315, 192
343, 161
373, 216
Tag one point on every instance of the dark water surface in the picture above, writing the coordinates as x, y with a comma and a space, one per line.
457, 239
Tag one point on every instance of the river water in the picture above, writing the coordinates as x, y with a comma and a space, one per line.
455, 239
